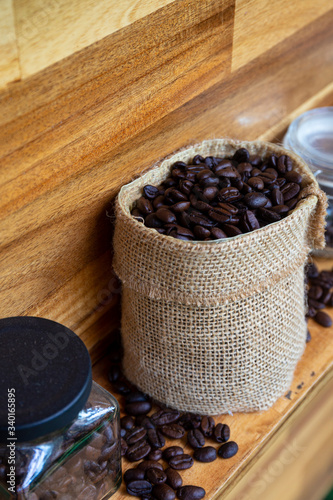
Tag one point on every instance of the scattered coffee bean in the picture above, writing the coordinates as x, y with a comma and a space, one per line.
172, 451
207, 426
164, 417
127, 423
135, 434
139, 488
133, 475
163, 492
323, 319
181, 462
205, 454
150, 464
221, 433
173, 478
156, 476
155, 455
195, 438
155, 439
173, 431
138, 451
228, 450
191, 493
138, 408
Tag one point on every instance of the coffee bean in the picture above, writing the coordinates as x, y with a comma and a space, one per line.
138, 451
241, 155
210, 192
144, 206
153, 221
205, 454
219, 214
139, 488
280, 209
255, 200
127, 423
138, 408
229, 194
163, 492
163, 417
291, 203
133, 475
144, 421
277, 197
149, 464
173, 478
326, 297
249, 222
121, 387
197, 160
174, 431
221, 433
293, 177
256, 183
136, 396
159, 202
135, 434
180, 206
316, 304
217, 233
181, 462
123, 447
156, 476
315, 292
155, 455
290, 190
201, 232
195, 438
172, 451
231, 230
312, 271
268, 215
191, 493
155, 439
228, 450
150, 192
166, 215
323, 319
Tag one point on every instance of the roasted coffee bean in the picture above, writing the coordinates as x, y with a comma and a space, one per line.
316, 304
205, 454
294, 177
280, 209
181, 462
172, 451
163, 492
221, 433
290, 190
249, 222
178, 173
255, 200
136, 396
173, 478
311, 312
173, 431
159, 202
200, 220
198, 159
195, 438
186, 187
144, 421
326, 297
201, 232
191, 493
230, 173
121, 387
207, 426
149, 464
315, 292
312, 271
323, 319
231, 230
138, 408
291, 203
150, 192
245, 168
217, 233
163, 417
241, 155
114, 373
174, 195
256, 183
277, 197
155, 439
139, 488
228, 450
133, 475
210, 192
155, 455
123, 447
229, 194
268, 215
181, 206
144, 206
153, 221
219, 214
156, 476
134, 435
166, 215
138, 451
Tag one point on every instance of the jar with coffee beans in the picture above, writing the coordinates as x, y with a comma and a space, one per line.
59, 430
311, 137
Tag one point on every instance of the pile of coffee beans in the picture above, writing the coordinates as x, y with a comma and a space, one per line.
320, 295
143, 440
213, 198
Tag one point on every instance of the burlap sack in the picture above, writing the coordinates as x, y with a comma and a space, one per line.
212, 327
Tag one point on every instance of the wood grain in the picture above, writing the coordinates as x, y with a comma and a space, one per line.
9, 61
260, 25
48, 31
70, 139
285, 452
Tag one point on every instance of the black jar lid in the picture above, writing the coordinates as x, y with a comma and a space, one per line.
49, 368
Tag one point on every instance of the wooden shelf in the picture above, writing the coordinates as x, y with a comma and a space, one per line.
285, 452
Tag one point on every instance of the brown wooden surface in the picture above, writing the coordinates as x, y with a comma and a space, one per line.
74, 132
285, 452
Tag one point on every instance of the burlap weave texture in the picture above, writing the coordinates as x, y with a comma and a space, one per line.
211, 327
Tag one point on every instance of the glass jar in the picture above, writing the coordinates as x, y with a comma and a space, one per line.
59, 430
311, 137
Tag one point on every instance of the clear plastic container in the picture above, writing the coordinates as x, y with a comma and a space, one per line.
311, 137
62, 441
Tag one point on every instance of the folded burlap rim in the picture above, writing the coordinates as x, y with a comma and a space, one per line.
130, 233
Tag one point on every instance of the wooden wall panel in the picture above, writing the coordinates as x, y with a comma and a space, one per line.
48, 31
262, 24
71, 137
9, 61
